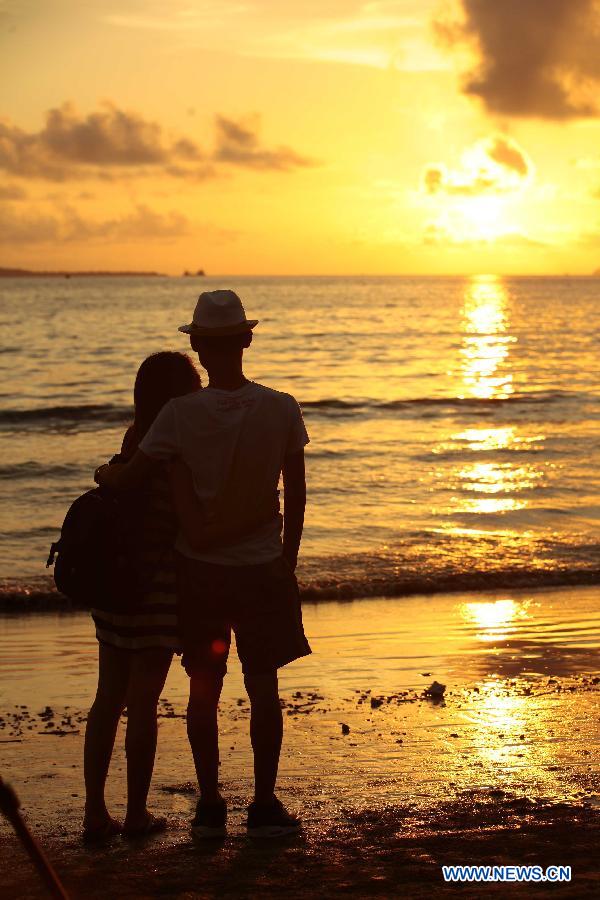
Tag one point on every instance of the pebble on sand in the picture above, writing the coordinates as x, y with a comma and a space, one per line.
435, 689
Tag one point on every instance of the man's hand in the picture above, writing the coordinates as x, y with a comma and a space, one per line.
292, 561
109, 476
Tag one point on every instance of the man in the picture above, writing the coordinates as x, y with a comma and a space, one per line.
236, 437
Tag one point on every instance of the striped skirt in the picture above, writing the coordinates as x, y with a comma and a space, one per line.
154, 622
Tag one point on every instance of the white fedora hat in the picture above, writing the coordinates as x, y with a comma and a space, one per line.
219, 313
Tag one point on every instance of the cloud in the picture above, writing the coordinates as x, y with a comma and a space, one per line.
110, 142
537, 59
506, 153
111, 137
12, 192
379, 33
435, 235
142, 223
238, 144
494, 165
27, 228
74, 146
148, 16
386, 34
437, 179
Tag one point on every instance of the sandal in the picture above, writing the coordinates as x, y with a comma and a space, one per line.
152, 825
99, 833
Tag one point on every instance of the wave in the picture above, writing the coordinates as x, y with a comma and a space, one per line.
106, 413
40, 594
33, 469
448, 582
100, 412
529, 397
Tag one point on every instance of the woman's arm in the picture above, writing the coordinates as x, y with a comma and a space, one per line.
192, 519
119, 459
126, 476
126, 469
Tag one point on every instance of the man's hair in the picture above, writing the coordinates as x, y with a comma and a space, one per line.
225, 344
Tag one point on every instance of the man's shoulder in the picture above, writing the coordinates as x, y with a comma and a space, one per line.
276, 396
207, 398
184, 402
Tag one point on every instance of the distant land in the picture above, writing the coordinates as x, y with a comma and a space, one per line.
27, 273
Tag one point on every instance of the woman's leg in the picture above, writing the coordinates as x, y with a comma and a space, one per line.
149, 670
103, 719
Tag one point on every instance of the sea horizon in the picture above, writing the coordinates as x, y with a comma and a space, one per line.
107, 273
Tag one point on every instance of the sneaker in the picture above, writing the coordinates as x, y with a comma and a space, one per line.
210, 820
271, 820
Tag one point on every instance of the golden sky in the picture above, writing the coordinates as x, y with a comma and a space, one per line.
322, 136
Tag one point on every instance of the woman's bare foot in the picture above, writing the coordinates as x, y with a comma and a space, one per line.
145, 824
100, 828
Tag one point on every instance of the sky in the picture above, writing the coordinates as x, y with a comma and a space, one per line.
313, 137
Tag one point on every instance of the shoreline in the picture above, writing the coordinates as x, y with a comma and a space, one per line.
42, 596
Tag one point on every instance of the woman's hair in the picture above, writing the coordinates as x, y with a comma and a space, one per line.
161, 377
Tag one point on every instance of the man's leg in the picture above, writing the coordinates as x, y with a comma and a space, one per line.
206, 639
203, 731
266, 732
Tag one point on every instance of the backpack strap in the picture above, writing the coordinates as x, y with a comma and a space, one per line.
54, 549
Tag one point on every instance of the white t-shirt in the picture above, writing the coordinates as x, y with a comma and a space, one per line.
234, 442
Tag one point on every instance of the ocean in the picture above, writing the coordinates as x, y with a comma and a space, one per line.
454, 422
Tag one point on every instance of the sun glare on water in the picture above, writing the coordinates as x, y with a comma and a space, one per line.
492, 619
486, 369
482, 486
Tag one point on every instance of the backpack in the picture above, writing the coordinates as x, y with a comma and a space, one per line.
95, 559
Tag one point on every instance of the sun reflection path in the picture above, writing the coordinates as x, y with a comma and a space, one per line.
485, 482
489, 486
485, 365
514, 746
493, 478
493, 619
513, 740
503, 437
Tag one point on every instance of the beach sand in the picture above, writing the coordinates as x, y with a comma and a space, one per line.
392, 784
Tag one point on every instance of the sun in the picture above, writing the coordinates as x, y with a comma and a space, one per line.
481, 199
478, 218
482, 218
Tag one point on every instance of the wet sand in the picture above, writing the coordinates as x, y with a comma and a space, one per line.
392, 783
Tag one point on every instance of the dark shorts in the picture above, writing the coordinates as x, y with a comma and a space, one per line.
260, 603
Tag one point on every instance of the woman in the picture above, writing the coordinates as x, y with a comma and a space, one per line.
136, 647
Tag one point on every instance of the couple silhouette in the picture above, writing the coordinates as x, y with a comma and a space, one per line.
217, 555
